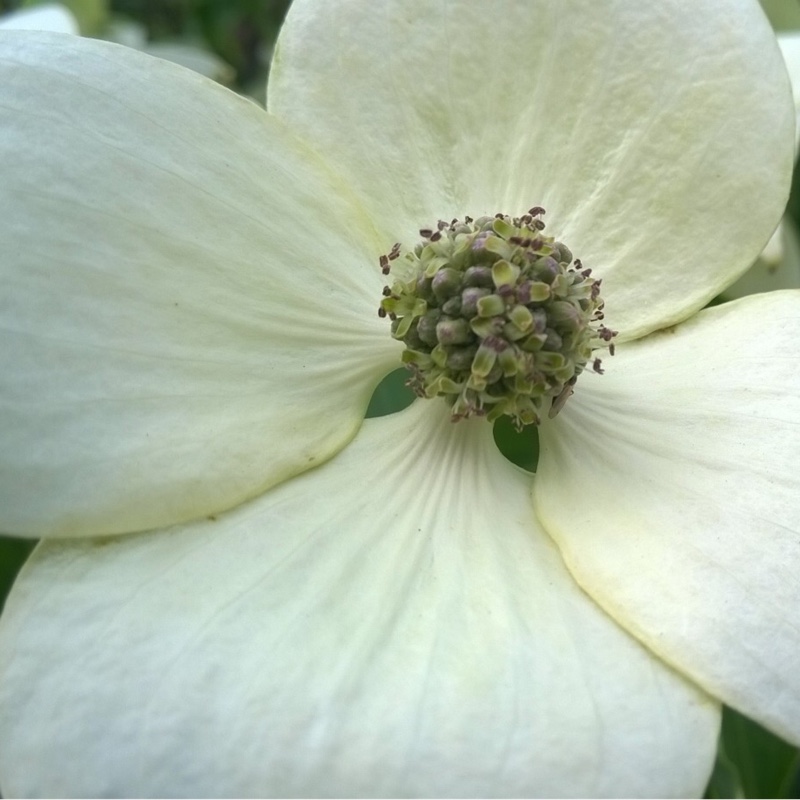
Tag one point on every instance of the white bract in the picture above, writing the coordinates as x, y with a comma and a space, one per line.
297, 602
778, 265
49, 17
59, 19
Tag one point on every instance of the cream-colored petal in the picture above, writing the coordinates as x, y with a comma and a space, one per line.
790, 49
658, 136
392, 623
778, 267
671, 485
773, 251
51, 17
188, 311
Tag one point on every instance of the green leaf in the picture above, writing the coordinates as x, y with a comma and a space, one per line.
752, 762
391, 395
13, 553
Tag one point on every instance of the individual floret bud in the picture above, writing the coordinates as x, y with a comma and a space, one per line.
553, 341
562, 253
479, 276
453, 331
426, 328
566, 315
459, 359
452, 307
546, 269
446, 282
469, 300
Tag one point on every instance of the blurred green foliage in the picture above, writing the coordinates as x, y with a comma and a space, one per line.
752, 762
242, 32
13, 553
783, 14
91, 14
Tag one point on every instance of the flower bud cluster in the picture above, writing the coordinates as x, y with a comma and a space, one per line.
496, 317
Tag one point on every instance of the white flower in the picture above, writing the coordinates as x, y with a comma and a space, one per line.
190, 339
778, 265
49, 17
59, 19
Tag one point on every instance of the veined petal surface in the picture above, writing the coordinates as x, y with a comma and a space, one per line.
391, 623
51, 17
671, 486
658, 136
189, 299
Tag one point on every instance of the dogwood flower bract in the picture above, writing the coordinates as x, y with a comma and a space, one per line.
48, 17
778, 266
243, 589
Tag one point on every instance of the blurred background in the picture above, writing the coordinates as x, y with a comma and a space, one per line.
231, 41
238, 35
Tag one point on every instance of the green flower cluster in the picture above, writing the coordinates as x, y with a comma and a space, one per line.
497, 317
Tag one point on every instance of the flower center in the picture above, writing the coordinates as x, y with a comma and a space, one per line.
496, 317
